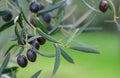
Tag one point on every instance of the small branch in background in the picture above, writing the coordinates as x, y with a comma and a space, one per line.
81, 19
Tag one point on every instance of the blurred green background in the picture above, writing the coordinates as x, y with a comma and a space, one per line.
103, 65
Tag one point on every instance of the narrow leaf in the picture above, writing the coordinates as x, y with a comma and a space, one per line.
48, 37
84, 49
59, 19
10, 48
33, 38
44, 54
20, 51
9, 70
6, 25
57, 60
40, 25
17, 32
36, 74
20, 20
89, 6
66, 56
4, 64
51, 8
3, 13
25, 18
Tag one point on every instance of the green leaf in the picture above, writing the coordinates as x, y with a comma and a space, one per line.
54, 32
59, 19
57, 60
44, 54
3, 13
84, 49
52, 7
17, 32
6, 25
36, 74
66, 56
4, 64
20, 51
26, 20
20, 20
10, 48
40, 25
33, 38
48, 37
89, 6
9, 70
72, 36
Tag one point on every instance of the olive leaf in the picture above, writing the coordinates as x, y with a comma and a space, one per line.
51, 8
20, 20
17, 32
84, 49
6, 25
4, 64
3, 13
36, 74
9, 70
40, 25
59, 19
57, 60
10, 48
89, 6
20, 51
66, 56
48, 37
43, 54
33, 38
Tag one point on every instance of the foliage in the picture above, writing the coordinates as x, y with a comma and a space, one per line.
26, 32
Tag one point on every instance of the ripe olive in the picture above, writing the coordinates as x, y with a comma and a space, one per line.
34, 7
103, 6
50, 27
22, 61
41, 40
47, 17
32, 22
8, 15
41, 6
35, 44
31, 55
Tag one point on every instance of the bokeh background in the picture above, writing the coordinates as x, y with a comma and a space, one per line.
106, 39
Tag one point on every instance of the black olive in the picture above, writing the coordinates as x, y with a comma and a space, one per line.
103, 6
8, 15
41, 40
31, 55
22, 61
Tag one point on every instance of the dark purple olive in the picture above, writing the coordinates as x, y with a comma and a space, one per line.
50, 27
35, 44
47, 17
22, 61
103, 5
8, 15
32, 22
41, 40
21, 42
31, 55
34, 6
41, 6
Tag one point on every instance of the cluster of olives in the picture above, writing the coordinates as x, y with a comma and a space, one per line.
35, 7
7, 15
31, 53
103, 6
